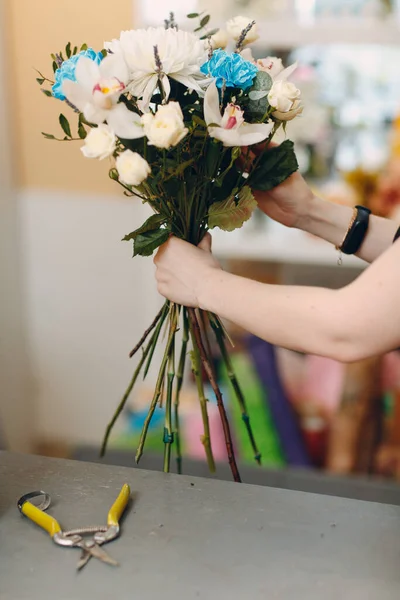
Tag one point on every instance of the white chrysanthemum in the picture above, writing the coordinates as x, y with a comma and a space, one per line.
181, 54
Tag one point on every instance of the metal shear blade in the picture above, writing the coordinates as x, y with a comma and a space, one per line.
89, 549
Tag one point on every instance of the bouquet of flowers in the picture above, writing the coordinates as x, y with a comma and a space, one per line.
177, 115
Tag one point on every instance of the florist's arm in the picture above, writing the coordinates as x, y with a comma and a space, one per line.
293, 204
355, 322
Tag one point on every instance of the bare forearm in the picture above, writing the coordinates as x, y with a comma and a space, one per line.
330, 221
356, 322
298, 318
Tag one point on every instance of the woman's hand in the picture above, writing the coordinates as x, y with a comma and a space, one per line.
288, 203
183, 271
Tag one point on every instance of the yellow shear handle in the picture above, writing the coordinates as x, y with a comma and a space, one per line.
119, 506
39, 517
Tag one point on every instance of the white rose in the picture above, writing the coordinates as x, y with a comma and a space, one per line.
271, 65
99, 143
132, 168
219, 39
235, 27
283, 95
296, 110
166, 128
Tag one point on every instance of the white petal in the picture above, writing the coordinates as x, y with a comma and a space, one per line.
167, 86
211, 106
291, 114
188, 81
94, 114
87, 73
149, 89
125, 123
114, 65
286, 73
114, 46
229, 137
254, 133
76, 94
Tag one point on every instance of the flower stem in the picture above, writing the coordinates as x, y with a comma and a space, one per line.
160, 379
168, 433
147, 367
148, 330
219, 334
179, 382
207, 366
197, 372
149, 349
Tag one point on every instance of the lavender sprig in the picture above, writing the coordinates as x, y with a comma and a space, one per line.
242, 37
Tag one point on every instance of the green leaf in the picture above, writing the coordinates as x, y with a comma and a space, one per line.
104, 52
235, 153
40, 80
48, 136
178, 170
84, 47
192, 15
146, 243
65, 125
75, 50
152, 223
47, 93
258, 94
199, 121
204, 20
212, 158
68, 50
81, 129
275, 166
53, 56
55, 66
209, 34
228, 214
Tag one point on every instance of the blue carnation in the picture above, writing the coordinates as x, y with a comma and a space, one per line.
230, 70
67, 70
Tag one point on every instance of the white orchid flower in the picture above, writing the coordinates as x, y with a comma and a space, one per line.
231, 128
96, 92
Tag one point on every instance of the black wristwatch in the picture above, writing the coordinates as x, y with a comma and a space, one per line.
357, 230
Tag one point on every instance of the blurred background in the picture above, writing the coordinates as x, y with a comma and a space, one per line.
73, 303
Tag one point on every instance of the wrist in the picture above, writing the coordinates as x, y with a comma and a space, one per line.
313, 213
208, 289
326, 220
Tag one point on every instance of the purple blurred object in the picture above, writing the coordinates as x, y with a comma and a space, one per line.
264, 358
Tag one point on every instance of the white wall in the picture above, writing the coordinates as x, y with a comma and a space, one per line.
15, 392
88, 303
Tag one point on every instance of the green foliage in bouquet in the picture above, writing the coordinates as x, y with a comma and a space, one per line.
178, 116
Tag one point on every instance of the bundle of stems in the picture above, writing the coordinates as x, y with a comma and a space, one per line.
183, 201
195, 325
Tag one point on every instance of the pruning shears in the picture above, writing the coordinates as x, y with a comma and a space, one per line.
99, 535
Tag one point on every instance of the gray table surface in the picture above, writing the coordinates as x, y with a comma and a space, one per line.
187, 538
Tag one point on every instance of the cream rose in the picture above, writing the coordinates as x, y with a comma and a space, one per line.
166, 128
132, 168
283, 96
219, 39
99, 143
235, 27
296, 110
